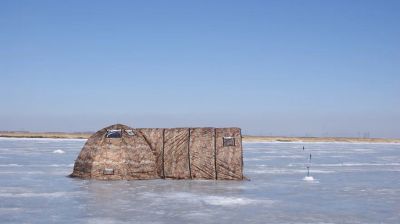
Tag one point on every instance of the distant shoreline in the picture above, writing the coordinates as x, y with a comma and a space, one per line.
318, 139
64, 135
246, 138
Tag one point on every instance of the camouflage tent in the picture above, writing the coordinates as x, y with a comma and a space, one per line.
119, 152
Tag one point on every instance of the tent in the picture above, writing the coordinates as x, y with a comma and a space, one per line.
119, 152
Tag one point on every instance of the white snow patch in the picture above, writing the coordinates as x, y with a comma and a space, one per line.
32, 194
59, 165
228, 201
285, 171
357, 164
11, 164
59, 151
104, 220
310, 179
213, 200
7, 210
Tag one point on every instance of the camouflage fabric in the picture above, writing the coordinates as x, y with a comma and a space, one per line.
119, 152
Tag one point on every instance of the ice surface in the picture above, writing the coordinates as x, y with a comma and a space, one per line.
353, 183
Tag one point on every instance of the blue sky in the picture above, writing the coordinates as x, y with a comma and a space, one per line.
298, 68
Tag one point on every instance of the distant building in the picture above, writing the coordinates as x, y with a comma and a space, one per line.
119, 152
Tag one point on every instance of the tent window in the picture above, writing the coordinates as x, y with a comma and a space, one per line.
130, 132
114, 133
108, 171
228, 141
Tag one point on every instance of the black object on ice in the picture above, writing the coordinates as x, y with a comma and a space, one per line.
308, 171
303, 148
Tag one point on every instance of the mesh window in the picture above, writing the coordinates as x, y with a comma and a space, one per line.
114, 133
229, 141
108, 171
130, 132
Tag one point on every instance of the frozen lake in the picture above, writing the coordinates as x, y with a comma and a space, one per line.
354, 183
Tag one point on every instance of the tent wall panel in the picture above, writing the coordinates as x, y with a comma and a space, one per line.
202, 153
155, 138
229, 158
176, 153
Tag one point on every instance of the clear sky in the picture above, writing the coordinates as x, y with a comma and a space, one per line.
297, 68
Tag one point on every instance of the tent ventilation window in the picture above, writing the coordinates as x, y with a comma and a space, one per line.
228, 141
108, 171
130, 132
117, 133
